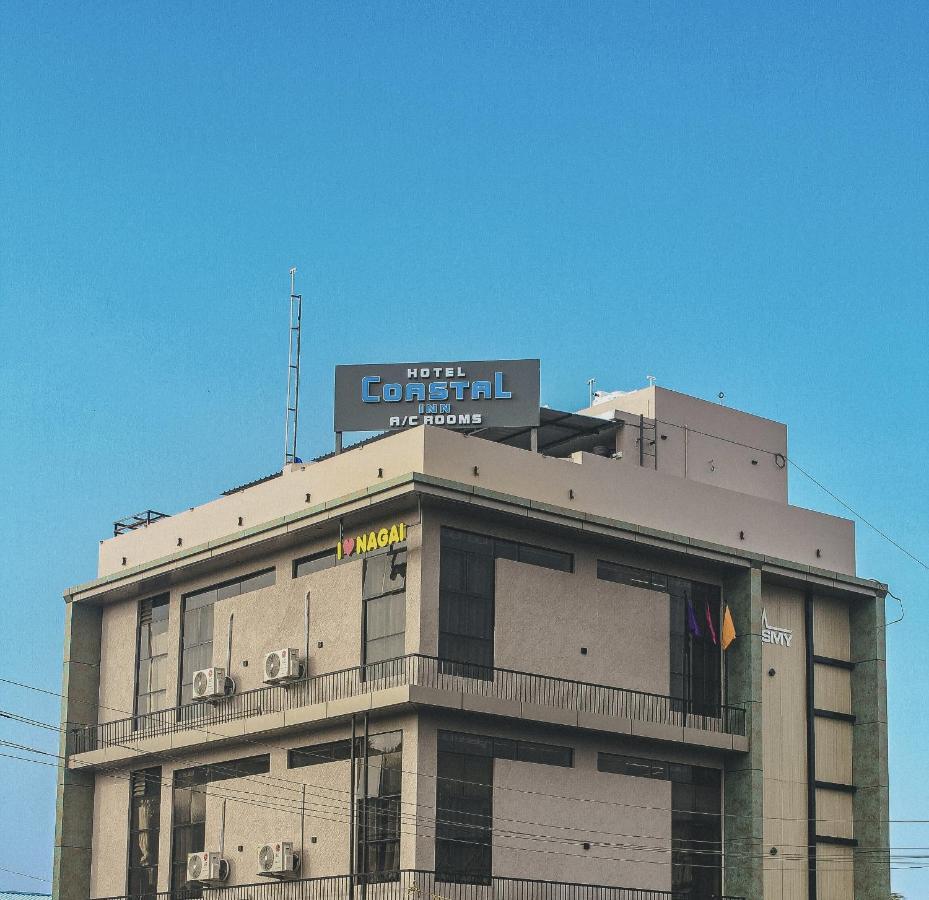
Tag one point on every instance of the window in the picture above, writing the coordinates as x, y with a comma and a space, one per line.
188, 824
466, 603
527, 751
384, 598
696, 662
197, 628
144, 815
378, 807
621, 574
635, 766
464, 809
696, 832
315, 562
316, 754
152, 656
500, 548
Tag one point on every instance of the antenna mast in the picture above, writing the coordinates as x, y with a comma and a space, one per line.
293, 375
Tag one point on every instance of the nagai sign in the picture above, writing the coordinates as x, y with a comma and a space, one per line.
366, 541
489, 393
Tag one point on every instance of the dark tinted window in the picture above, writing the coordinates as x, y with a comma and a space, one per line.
316, 754
378, 808
622, 574
464, 810
144, 821
315, 562
636, 766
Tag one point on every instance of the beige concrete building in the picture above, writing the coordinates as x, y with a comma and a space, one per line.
505, 677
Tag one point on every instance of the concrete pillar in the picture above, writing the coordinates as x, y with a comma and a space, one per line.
869, 759
743, 791
75, 794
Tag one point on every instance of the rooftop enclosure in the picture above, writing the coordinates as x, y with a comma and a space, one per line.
584, 485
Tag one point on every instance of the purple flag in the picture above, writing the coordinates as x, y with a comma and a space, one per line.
692, 625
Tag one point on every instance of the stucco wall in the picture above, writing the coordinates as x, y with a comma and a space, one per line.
110, 835
117, 660
544, 618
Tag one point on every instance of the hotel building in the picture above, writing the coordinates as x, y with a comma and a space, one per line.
481, 665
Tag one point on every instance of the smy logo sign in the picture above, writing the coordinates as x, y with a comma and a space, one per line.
491, 393
771, 634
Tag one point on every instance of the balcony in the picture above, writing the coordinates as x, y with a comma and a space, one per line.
419, 885
423, 681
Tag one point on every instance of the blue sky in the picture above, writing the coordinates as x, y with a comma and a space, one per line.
730, 198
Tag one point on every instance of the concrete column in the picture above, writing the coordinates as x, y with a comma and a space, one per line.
75, 794
743, 791
869, 759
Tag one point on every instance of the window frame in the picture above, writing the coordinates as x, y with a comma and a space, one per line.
397, 552
164, 600
130, 831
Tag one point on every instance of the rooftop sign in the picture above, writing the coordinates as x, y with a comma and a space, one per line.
489, 393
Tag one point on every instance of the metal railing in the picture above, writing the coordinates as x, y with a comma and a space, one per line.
413, 884
420, 671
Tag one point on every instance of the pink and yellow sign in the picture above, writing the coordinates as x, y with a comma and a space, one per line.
367, 541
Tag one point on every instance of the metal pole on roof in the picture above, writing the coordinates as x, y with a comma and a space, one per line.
293, 374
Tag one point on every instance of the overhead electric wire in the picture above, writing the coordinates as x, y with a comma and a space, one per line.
295, 808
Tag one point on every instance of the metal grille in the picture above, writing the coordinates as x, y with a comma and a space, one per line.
422, 671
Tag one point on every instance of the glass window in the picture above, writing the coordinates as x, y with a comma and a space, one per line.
152, 656
696, 832
378, 808
144, 822
545, 754
316, 754
635, 766
464, 809
384, 597
315, 562
548, 559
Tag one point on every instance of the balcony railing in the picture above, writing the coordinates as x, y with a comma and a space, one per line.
420, 671
419, 885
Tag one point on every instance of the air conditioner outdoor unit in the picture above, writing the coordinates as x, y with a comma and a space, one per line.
282, 666
212, 684
206, 868
278, 859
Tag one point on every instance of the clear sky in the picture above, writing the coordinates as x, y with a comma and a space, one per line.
731, 197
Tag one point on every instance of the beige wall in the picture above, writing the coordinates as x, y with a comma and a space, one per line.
784, 749
701, 508
645, 497
117, 660
544, 618
706, 442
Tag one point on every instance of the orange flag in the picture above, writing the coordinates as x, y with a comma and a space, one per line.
728, 635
